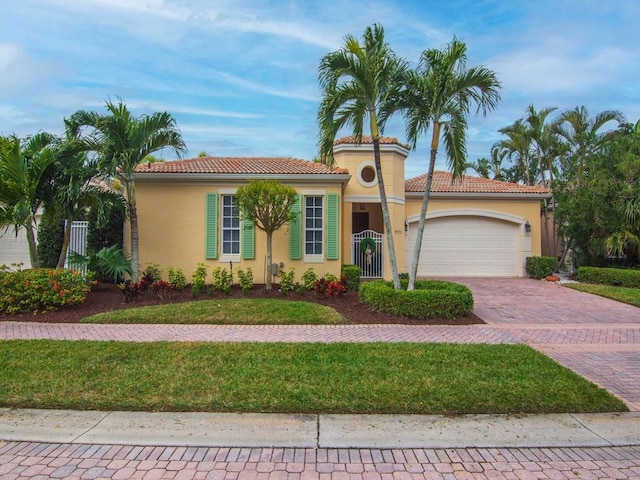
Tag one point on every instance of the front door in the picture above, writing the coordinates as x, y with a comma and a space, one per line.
359, 222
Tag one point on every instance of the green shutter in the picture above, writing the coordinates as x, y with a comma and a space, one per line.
333, 240
211, 234
295, 231
248, 240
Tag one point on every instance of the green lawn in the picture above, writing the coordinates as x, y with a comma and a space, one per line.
621, 294
292, 378
245, 311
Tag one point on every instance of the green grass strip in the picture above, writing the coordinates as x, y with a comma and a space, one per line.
292, 378
621, 294
245, 311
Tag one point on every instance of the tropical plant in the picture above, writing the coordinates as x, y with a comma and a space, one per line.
23, 163
439, 95
359, 83
198, 279
121, 142
268, 204
245, 279
111, 261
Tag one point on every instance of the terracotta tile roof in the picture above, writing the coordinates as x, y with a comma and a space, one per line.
366, 139
240, 165
442, 184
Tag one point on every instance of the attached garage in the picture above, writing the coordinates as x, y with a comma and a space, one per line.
469, 244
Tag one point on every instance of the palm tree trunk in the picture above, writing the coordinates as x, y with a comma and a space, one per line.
31, 241
133, 218
65, 244
413, 273
385, 214
269, 277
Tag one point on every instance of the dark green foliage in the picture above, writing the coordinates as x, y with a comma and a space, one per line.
50, 238
541, 267
245, 279
430, 299
111, 263
287, 281
352, 273
610, 276
106, 233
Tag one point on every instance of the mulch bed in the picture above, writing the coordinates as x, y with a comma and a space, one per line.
106, 297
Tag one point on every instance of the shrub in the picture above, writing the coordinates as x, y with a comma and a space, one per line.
163, 289
321, 287
199, 279
176, 278
287, 283
431, 298
352, 274
50, 239
309, 278
336, 289
329, 285
246, 280
222, 280
110, 262
541, 267
618, 277
330, 277
150, 275
130, 290
41, 289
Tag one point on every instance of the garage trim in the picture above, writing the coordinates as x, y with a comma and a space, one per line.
470, 212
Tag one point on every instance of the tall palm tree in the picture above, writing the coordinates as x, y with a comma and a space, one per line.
582, 132
122, 141
439, 95
358, 84
516, 148
22, 167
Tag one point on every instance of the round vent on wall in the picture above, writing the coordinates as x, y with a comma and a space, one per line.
367, 174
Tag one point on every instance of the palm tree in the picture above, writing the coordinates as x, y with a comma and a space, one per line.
22, 167
439, 95
358, 83
516, 148
122, 142
582, 132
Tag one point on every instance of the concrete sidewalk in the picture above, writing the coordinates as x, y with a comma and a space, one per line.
319, 431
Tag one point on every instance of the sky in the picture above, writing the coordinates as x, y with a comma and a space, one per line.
240, 77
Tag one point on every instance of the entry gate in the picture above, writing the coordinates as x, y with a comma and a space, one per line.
368, 254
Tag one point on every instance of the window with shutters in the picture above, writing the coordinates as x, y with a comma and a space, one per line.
230, 226
313, 226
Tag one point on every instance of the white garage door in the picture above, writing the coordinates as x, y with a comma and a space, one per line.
14, 249
467, 246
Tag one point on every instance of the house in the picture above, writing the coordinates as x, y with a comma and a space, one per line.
475, 227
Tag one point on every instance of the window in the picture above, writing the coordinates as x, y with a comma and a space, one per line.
230, 226
313, 218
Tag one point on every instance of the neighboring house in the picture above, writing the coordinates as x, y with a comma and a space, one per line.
14, 248
475, 227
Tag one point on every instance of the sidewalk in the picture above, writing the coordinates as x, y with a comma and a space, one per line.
320, 431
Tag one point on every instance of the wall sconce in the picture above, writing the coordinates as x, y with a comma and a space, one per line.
527, 227
406, 226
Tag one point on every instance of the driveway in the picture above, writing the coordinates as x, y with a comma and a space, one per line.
594, 336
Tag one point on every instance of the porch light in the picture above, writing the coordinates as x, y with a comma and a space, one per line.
406, 226
527, 227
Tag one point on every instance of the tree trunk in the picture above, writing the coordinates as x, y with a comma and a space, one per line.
133, 218
269, 276
385, 214
65, 244
413, 273
31, 241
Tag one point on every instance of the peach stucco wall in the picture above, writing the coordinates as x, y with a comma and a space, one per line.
172, 230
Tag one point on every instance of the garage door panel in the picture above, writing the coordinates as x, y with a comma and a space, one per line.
467, 246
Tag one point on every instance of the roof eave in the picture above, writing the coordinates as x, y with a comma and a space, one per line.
368, 147
337, 178
482, 195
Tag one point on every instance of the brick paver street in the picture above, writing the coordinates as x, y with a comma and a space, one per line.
596, 337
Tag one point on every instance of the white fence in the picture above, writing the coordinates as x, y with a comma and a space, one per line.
78, 243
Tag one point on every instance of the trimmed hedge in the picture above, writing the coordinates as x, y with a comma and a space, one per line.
40, 289
352, 272
541, 267
618, 277
430, 299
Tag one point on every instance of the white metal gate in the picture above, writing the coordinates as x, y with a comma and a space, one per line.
78, 242
371, 262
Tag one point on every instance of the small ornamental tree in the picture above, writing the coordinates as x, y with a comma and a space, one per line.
268, 204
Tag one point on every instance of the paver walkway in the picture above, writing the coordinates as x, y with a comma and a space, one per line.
596, 337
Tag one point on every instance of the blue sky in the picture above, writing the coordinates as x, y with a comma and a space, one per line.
240, 77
